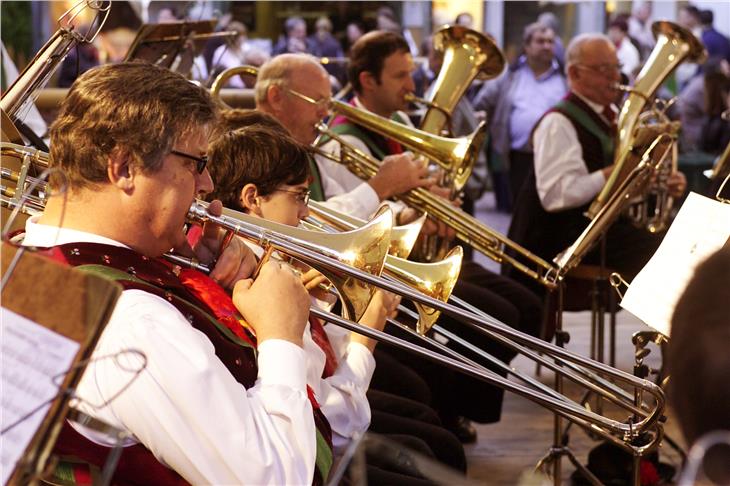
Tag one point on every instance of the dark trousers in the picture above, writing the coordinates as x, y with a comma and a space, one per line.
393, 413
520, 165
454, 393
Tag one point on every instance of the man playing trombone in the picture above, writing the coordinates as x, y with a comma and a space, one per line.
261, 171
220, 400
383, 92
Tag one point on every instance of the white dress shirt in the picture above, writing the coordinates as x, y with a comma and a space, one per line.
343, 190
628, 56
561, 175
342, 396
185, 406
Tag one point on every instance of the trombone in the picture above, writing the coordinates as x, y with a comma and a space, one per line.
646, 422
468, 229
456, 154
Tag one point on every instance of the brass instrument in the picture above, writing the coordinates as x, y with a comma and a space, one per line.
435, 279
674, 45
633, 186
641, 433
651, 209
468, 229
220, 81
720, 174
467, 55
365, 248
402, 238
455, 155
53, 52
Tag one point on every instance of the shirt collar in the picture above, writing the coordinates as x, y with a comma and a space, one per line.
554, 67
43, 235
593, 105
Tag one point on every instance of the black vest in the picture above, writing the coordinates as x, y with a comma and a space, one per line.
548, 233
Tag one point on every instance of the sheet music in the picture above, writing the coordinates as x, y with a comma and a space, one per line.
700, 229
31, 357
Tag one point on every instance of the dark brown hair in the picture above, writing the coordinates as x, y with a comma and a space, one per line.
251, 147
137, 108
368, 54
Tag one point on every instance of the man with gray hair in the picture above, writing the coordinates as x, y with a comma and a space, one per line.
295, 89
574, 152
517, 99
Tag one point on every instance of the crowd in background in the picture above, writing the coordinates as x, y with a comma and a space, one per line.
702, 90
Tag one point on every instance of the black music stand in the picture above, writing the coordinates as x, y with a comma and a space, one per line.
173, 45
71, 303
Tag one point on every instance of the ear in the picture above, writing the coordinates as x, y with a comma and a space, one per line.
573, 72
367, 80
275, 97
120, 170
250, 200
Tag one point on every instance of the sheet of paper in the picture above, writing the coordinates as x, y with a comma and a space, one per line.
701, 228
32, 358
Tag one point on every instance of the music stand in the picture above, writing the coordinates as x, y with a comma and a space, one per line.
74, 304
173, 45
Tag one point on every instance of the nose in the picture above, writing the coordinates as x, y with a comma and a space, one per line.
303, 211
410, 84
321, 112
203, 183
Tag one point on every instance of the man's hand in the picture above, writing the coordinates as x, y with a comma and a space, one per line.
232, 258
276, 304
434, 226
676, 184
383, 305
312, 280
400, 173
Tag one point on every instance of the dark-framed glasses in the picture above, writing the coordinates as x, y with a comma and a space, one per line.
200, 162
322, 103
301, 196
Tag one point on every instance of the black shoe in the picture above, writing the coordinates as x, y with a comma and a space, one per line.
463, 429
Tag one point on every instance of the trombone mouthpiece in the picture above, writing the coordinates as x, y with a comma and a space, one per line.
198, 212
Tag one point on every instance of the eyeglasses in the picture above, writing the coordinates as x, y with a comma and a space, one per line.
302, 196
605, 69
200, 162
322, 103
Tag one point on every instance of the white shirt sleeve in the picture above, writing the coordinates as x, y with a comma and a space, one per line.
344, 191
187, 408
342, 396
562, 178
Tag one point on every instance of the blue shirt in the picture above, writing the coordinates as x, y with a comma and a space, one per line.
531, 98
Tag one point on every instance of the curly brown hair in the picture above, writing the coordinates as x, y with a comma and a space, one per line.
136, 108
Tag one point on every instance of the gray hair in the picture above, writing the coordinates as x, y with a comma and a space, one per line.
279, 71
574, 52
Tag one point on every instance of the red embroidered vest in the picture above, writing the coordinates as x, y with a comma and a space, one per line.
209, 310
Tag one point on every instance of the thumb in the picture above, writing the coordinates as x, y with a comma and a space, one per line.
243, 285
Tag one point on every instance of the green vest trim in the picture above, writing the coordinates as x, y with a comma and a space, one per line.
581, 117
355, 131
115, 275
315, 187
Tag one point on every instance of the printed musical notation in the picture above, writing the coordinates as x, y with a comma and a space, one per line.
34, 360
701, 228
